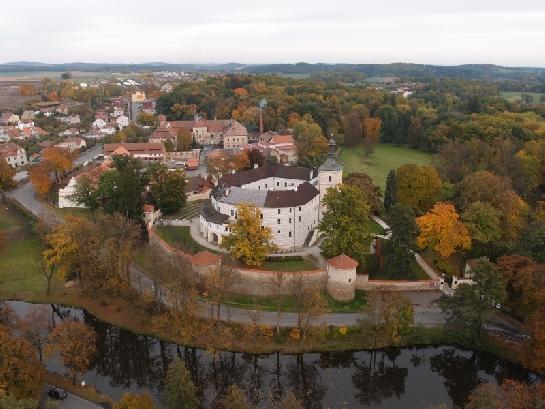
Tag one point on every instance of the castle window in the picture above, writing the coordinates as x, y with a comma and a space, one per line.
299, 208
290, 234
232, 212
265, 186
277, 221
278, 211
261, 216
290, 219
278, 231
330, 178
349, 280
299, 218
285, 184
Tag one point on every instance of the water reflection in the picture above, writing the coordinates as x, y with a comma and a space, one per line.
391, 378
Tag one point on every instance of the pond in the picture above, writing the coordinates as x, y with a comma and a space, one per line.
394, 378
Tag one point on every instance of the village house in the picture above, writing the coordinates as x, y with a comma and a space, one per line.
70, 120
108, 130
72, 144
27, 116
205, 131
93, 174
122, 121
99, 123
9, 118
280, 146
69, 132
147, 151
13, 154
197, 188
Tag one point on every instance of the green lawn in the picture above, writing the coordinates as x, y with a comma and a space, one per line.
379, 163
180, 237
287, 302
20, 266
516, 95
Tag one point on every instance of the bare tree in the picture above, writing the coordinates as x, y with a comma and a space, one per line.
309, 303
35, 328
217, 284
276, 282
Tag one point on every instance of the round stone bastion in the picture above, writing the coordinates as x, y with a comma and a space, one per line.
341, 277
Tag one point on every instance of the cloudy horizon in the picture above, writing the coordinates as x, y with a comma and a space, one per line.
502, 32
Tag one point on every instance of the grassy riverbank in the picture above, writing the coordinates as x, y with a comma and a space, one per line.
21, 279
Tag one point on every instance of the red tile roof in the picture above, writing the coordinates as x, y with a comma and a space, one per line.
205, 258
342, 262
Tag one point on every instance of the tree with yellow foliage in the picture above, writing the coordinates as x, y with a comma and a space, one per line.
135, 401
248, 241
442, 231
59, 250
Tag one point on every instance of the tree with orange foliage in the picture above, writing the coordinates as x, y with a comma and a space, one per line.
75, 342
371, 133
441, 230
6, 176
52, 96
240, 92
39, 177
535, 346
27, 90
60, 160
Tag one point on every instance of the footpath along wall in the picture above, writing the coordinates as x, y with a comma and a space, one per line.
251, 281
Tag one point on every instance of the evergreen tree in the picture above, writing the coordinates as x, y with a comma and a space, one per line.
180, 391
399, 261
389, 194
234, 399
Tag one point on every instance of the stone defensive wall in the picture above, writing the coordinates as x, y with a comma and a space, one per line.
251, 281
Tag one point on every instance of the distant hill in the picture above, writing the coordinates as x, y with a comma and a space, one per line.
419, 71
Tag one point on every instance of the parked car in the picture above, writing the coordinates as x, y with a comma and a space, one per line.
57, 393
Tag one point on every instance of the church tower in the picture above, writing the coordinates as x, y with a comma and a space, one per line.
330, 174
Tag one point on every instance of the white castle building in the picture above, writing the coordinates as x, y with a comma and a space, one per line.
289, 199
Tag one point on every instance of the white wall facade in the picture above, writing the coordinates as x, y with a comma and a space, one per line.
66, 192
19, 159
290, 226
328, 179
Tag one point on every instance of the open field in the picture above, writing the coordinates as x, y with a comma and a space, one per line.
516, 95
54, 75
378, 164
20, 265
11, 98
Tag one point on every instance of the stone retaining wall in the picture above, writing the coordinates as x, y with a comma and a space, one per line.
253, 281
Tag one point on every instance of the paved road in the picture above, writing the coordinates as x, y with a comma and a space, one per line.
73, 401
88, 155
426, 311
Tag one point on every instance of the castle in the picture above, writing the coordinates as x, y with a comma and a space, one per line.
289, 199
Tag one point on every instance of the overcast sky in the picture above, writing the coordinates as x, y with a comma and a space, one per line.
506, 32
